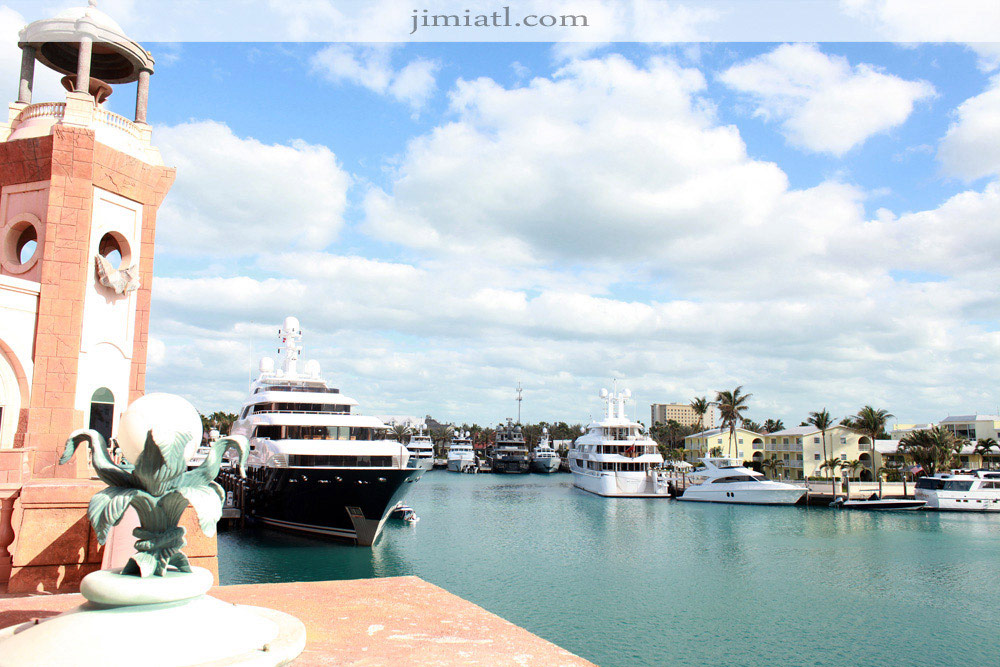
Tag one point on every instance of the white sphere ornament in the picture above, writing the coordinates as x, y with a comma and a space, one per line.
161, 413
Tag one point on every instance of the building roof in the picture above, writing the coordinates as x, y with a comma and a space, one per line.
797, 431
958, 419
718, 431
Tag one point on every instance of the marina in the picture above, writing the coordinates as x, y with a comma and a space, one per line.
627, 582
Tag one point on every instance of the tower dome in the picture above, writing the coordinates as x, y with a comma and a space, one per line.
57, 43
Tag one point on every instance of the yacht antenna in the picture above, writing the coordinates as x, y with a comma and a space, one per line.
250, 369
519, 399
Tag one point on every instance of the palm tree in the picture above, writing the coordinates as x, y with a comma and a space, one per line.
931, 449
751, 425
700, 406
851, 467
732, 405
832, 465
773, 425
715, 451
871, 422
402, 433
983, 447
773, 465
821, 420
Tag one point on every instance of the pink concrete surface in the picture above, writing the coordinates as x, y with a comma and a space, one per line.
368, 622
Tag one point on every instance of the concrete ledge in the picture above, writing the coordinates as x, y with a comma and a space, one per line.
371, 622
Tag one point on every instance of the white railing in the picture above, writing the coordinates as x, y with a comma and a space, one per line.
57, 110
111, 119
43, 110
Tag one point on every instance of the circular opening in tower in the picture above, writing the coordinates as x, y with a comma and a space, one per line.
21, 245
114, 248
27, 244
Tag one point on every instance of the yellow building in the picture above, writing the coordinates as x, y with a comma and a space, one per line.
682, 413
801, 450
746, 446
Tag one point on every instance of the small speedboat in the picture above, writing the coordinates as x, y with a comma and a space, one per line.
406, 513
879, 504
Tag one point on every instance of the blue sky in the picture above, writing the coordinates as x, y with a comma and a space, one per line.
813, 221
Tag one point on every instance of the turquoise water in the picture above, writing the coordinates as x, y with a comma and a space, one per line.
630, 582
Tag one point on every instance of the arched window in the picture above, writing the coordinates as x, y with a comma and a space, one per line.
102, 412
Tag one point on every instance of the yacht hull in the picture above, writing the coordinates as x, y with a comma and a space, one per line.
509, 465
776, 496
460, 465
545, 465
958, 502
620, 485
349, 504
422, 464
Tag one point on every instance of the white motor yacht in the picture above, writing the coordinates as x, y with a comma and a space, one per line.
461, 455
317, 465
961, 491
421, 450
614, 458
723, 480
544, 458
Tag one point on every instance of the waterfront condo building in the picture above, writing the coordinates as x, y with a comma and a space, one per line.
682, 413
746, 445
801, 450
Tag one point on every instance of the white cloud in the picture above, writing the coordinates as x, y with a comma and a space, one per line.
974, 21
46, 82
371, 67
971, 148
237, 195
823, 104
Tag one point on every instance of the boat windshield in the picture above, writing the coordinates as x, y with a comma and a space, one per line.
736, 478
935, 484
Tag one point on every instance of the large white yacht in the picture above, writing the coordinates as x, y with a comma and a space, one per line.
316, 465
544, 458
615, 457
461, 455
421, 449
723, 480
961, 491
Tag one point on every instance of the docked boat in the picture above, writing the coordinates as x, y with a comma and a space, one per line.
421, 449
461, 455
316, 465
615, 458
723, 480
509, 453
543, 457
879, 504
961, 491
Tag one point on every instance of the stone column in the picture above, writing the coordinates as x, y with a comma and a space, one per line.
142, 96
83, 64
27, 74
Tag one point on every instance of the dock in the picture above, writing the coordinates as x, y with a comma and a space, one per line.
371, 622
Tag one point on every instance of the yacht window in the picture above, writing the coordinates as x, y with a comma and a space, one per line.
952, 485
990, 485
930, 483
314, 460
736, 478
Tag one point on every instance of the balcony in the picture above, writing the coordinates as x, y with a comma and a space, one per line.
79, 110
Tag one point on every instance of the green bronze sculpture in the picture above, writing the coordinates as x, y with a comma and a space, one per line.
159, 487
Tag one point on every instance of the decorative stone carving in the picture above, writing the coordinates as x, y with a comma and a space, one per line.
122, 281
159, 487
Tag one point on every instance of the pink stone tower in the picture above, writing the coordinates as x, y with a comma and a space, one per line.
79, 191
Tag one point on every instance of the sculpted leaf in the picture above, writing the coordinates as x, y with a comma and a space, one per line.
207, 502
107, 507
142, 564
209, 469
161, 460
104, 466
